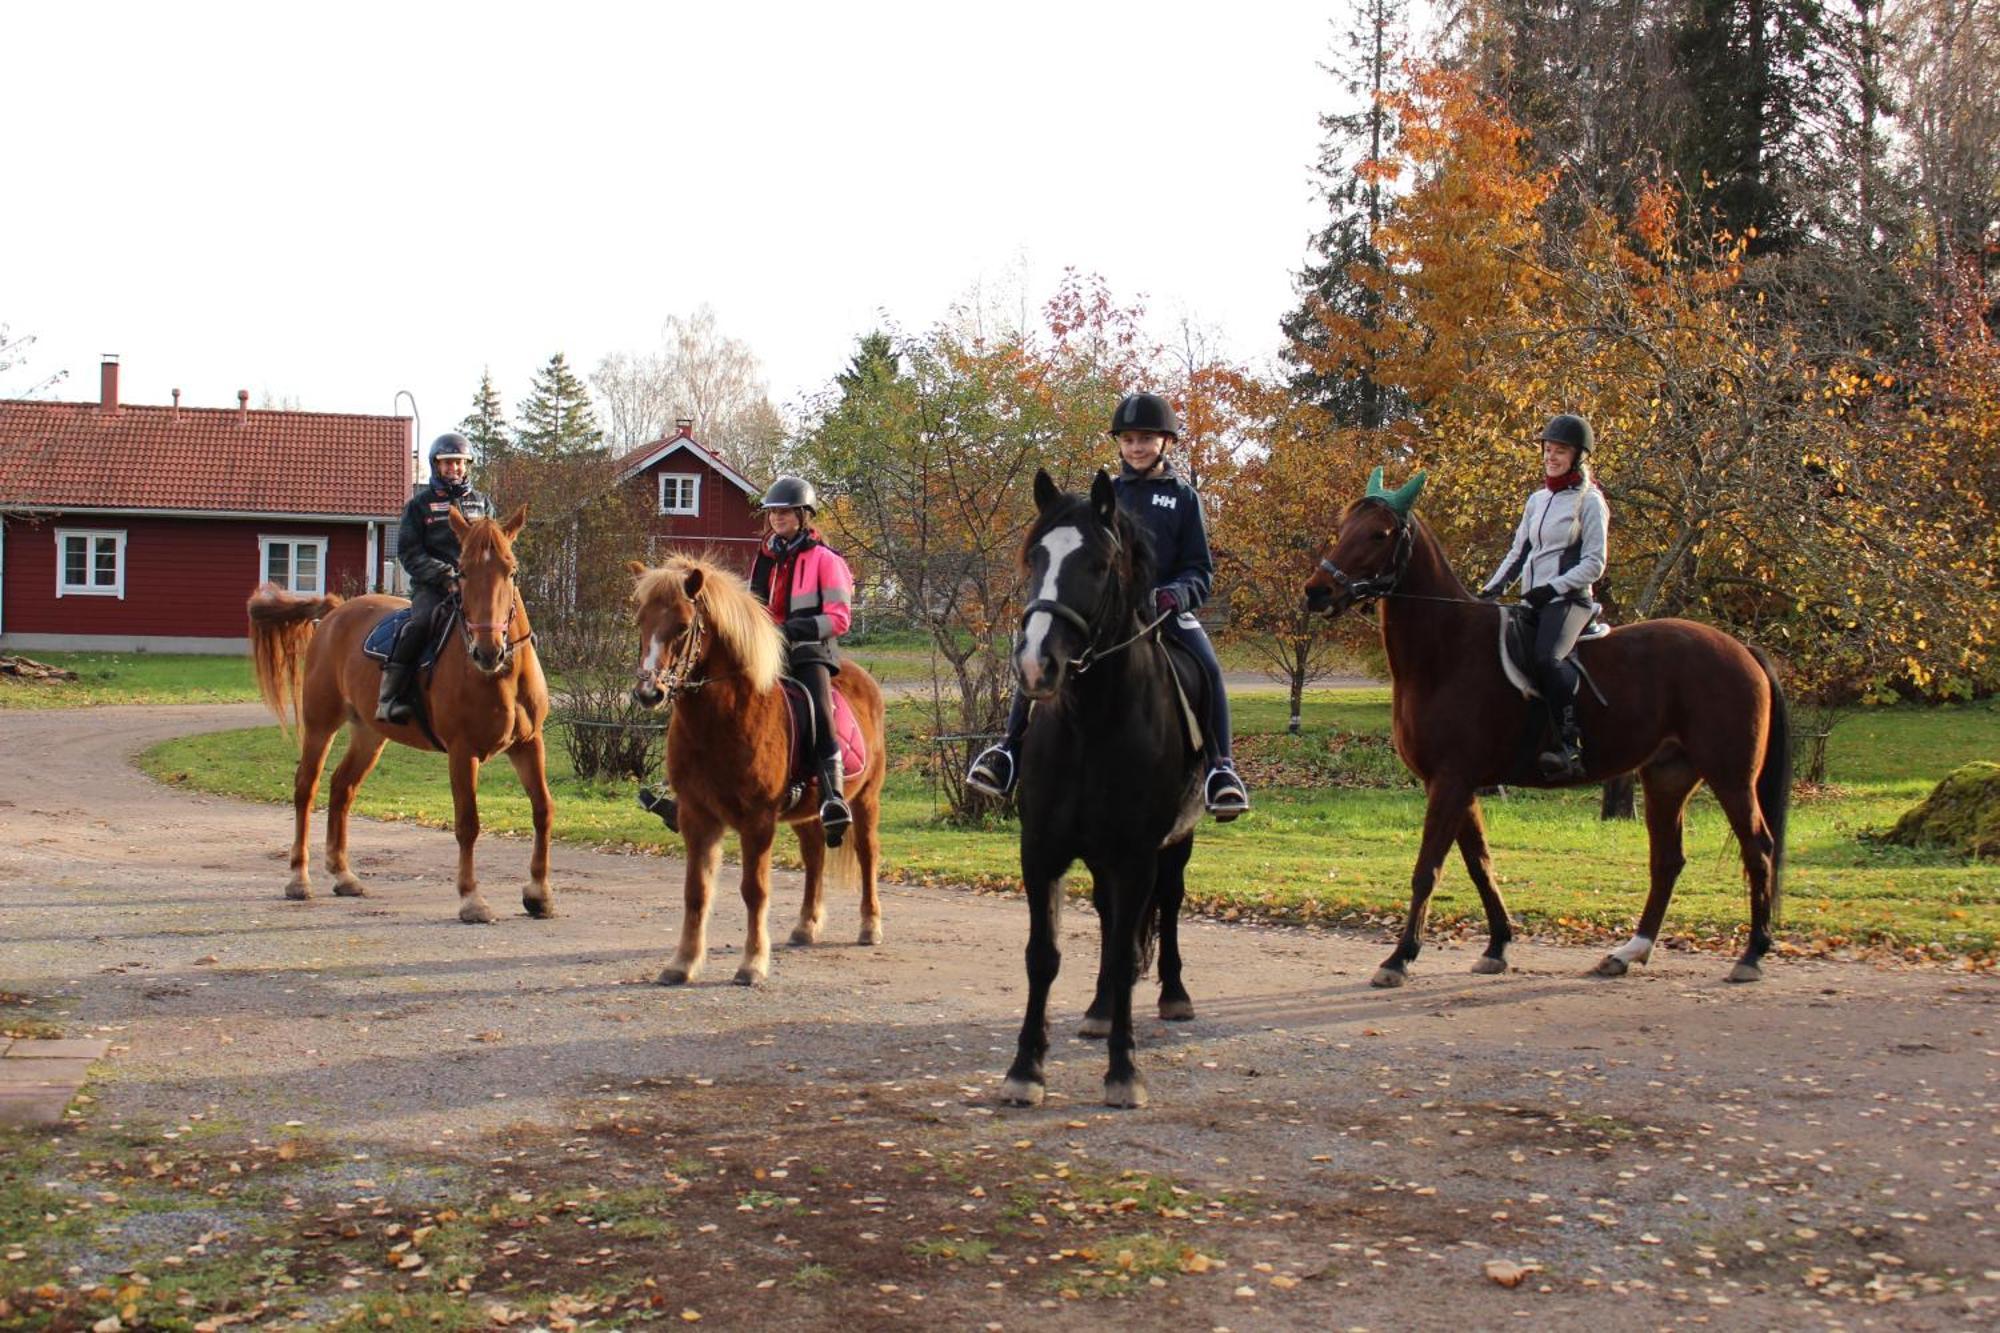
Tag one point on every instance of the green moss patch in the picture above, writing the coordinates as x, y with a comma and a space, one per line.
1962, 814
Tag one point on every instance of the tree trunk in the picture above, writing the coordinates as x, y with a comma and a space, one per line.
1617, 802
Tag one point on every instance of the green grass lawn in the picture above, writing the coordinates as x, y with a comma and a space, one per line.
1312, 851
133, 678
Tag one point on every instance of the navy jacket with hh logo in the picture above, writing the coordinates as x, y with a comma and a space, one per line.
1170, 509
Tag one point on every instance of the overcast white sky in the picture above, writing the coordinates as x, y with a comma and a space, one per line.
333, 202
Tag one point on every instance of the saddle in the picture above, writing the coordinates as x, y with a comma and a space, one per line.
1517, 656
802, 769
1191, 688
381, 640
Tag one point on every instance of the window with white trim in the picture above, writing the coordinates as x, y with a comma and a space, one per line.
680, 493
90, 563
296, 564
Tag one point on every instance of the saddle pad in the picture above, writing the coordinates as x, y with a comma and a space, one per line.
1515, 653
381, 640
846, 730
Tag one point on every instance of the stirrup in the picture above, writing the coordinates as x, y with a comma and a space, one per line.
835, 815
659, 801
1224, 793
1565, 764
986, 778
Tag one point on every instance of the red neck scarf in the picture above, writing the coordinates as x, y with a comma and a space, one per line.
1573, 477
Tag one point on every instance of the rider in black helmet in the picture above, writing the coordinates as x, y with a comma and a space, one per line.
1144, 425
1558, 554
427, 549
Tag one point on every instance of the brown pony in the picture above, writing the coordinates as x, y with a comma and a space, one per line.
1684, 704
485, 696
707, 645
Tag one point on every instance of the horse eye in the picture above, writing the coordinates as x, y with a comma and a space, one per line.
1381, 536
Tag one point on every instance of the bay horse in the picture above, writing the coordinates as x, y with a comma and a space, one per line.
486, 696
1108, 774
711, 648
1683, 703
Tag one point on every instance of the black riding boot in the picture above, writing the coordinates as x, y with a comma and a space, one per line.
395, 706
1565, 762
996, 768
834, 813
657, 800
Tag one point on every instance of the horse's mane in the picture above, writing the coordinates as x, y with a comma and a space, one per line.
735, 616
1132, 535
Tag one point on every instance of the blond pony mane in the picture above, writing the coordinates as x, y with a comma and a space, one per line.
739, 622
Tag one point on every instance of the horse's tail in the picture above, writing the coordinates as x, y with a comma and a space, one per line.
281, 627
1774, 780
1148, 942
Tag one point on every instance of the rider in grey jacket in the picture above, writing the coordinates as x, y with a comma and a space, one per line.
1558, 555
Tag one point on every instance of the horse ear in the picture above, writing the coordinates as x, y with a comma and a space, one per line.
458, 523
635, 568
1374, 490
1103, 498
515, 522
691, 585
1046, 490
1406, 495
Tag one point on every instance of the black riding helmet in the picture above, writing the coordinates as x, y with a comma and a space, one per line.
1571, 430
450, 445
1145, 411
791, 493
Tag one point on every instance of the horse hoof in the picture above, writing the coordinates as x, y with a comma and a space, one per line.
1021, 1092
475, 912
539, 908
1176, 1011
1388, 978
1611, 965
748, 976
674, 976
347, 886
871, 933
1126, 1094
1094, 1029
1746, 972
1486, 965
803, 934
298, 890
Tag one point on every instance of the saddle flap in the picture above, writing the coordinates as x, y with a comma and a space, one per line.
1190, 688
846, 730
1517, 653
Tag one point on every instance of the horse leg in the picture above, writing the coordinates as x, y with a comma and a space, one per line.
1132, 899
756, 848
464, 764
1668, 783
1759, 848
1175, 1006
1097, 1018
1449, 800
865, 837
1025, 1084
1479, 864
313, 746
364, 747
812, 907
703, 838
531, 766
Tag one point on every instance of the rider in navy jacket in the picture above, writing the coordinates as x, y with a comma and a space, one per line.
1144, 425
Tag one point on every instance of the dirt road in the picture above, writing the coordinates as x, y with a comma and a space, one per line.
1820, 1149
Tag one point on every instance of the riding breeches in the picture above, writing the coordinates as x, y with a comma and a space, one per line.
424, 602
1557, 626
813, 676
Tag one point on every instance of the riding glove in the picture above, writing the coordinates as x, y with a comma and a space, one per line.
1540, 596
801, 629
1166, 601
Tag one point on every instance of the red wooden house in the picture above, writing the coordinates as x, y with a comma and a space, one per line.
137, 528
696, 502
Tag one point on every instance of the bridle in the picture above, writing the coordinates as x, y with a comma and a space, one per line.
504, 626
675, 677
1362, 591
1092, 653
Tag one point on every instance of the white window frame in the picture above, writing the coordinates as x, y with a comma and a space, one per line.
266, 542
693, 479
64, 588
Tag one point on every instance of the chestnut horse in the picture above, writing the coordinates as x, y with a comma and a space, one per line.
1683, 703
708, 646
486, 696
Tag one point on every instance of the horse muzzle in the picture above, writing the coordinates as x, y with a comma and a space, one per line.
647, 693
1322, 602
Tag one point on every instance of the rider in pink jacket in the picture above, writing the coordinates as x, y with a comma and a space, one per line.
810, 593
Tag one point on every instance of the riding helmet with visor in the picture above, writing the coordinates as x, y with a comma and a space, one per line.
791, 493
1571, 430
1145, 411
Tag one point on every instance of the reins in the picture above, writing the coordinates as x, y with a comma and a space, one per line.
1092, 654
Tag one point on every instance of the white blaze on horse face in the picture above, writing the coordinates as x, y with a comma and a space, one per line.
1058, 545
654, 648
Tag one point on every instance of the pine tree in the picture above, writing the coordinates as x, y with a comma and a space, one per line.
556, 417
1356, 141
486, 424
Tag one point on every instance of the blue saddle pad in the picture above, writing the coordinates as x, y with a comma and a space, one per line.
381, 640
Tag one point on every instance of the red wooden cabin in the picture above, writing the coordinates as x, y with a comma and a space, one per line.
698, 504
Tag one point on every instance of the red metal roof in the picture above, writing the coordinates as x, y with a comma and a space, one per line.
78, 455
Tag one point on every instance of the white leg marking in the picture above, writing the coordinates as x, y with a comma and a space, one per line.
1635, 950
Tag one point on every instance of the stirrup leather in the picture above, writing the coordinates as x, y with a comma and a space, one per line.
992, 772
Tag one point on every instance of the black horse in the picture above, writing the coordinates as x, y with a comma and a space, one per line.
1108, 773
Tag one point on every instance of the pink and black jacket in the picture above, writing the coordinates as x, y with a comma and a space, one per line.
810, 593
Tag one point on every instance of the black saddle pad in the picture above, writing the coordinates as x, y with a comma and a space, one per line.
381, 640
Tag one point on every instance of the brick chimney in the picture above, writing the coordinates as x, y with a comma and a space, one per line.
107, 383
242, 407
684, 426
177, 404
